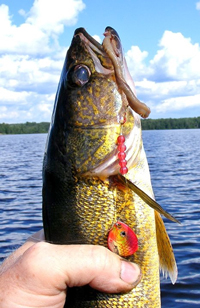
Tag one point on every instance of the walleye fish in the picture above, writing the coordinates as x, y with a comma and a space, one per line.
88, 186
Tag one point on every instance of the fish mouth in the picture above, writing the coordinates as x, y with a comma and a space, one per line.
89, 38
102, 62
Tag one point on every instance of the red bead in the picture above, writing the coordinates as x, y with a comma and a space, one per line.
121, 155
123, 163
120, 139
121, 147
123, 170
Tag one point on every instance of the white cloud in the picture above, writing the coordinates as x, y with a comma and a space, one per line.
22, 72
51, 16
22, 12
135, 61
198, 5
11, 97
177, 103
25, 106
39, 33
31, 58
8, 115
177, 59
21, 40
97, 38
171, 80
4, 17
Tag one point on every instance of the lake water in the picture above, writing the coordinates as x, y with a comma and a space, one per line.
174, 160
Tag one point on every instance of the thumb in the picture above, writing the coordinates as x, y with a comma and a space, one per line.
101, 269
78, 265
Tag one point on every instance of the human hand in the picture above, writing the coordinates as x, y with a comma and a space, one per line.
38, 274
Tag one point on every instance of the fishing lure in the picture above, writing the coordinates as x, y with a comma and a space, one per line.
122, 240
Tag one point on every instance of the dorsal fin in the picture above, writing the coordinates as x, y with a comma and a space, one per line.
165, 250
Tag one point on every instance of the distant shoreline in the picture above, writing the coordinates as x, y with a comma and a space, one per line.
147, 124
170, 123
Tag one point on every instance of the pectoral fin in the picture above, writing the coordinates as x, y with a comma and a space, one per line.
165, 250
152, 203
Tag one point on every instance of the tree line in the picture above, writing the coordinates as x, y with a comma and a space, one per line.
182, 123
24, 128
147, 124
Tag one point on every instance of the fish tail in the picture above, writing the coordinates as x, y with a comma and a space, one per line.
165, 250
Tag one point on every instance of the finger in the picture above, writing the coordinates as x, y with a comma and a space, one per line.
38, 236
102, 270
59, 266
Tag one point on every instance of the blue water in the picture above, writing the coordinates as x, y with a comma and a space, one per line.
174, 160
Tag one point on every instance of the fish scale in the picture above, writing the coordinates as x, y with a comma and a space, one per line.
147, 255
83, 195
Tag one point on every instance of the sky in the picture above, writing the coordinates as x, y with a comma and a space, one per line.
160, 39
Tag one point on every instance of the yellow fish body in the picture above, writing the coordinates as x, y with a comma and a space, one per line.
83, 196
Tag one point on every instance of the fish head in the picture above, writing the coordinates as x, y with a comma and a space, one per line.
90, 109
87, 95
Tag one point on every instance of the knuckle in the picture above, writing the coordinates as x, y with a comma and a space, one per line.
101, 257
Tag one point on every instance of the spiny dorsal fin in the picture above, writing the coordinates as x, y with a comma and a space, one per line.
165, 250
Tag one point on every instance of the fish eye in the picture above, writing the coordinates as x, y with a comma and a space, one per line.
78, 75
123, 233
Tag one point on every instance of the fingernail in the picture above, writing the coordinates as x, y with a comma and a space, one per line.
130, 273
